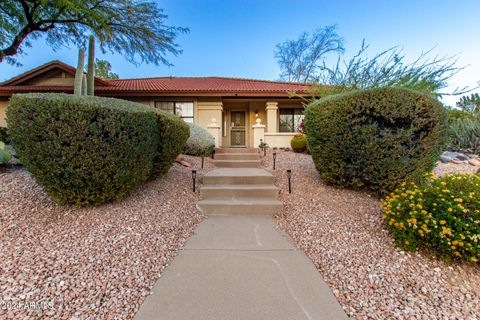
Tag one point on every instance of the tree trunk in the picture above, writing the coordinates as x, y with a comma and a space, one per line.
91, 67
77, 89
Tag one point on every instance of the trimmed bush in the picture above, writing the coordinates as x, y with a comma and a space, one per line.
441, 214
299, 143
88, 149
375, 138
200, 143
173, 133
4, 136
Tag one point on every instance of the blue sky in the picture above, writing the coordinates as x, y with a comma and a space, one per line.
237, 38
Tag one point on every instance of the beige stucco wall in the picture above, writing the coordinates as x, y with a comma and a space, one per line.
279, 139
3, 110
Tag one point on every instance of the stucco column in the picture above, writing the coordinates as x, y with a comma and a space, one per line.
258, 133
215, 130
272, 116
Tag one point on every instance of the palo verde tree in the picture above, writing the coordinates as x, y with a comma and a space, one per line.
301, 60
134, 28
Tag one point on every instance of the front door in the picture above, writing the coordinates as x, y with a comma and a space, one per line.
237, 129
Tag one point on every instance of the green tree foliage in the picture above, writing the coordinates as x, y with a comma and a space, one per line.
389, 68
300, 60
134, 28
103, 70
470, 103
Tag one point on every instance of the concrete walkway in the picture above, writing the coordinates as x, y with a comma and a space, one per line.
240, 267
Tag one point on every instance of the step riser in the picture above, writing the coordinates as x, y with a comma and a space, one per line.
233, 156
253, 209
239, 193
236, 164
238, 180
236, 150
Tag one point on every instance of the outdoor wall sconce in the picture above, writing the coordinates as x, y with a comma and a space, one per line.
256, 113
289, 176
194, 177
274, 158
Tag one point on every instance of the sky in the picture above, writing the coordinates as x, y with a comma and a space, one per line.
237, 38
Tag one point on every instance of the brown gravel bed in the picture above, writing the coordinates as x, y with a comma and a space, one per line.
95, 262
343, 233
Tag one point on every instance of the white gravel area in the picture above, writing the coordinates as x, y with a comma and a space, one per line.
101, 262
343, 233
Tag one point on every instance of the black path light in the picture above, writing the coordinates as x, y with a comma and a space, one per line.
261, 144
194, 177
274, 158
202, 162
289, 176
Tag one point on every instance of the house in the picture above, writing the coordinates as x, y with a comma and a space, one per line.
238, 112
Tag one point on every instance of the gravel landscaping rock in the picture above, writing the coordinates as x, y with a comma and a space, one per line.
94, 262
343, 233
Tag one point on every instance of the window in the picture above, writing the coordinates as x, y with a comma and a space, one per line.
290, 119
182, 109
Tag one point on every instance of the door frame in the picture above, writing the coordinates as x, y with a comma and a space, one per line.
229, 124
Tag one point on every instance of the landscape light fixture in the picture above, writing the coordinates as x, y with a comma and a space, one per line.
274, 158
213, 154
289, 176
194, 177
202, 162
261, 144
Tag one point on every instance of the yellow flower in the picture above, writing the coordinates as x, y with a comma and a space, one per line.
455, 242
450, 209
457, 253
443, 222
460, 244
407, 243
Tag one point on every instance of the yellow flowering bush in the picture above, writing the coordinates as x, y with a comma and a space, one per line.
441, 213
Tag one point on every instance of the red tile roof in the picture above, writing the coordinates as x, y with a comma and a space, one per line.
171, 86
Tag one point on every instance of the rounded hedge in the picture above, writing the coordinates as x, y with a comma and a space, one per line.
375, 138
200, 143
442, 214
85, 149
299, 142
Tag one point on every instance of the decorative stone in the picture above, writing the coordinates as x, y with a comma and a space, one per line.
474, 162
445, 159
461, 156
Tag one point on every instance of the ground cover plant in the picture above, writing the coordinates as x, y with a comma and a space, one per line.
375, 138
442, 214
86, 150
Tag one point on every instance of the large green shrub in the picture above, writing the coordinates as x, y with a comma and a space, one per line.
173, 133
375, 138
85, 149
4, 136
200, 143
442, 214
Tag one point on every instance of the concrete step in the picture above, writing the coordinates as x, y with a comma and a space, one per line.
236, 163
237, 156
235, 191
237, 176
246, 206
236, 150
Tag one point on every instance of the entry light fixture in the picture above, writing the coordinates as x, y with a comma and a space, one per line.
289, 177
194, 177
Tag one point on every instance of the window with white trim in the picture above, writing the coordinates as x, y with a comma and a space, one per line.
182, 109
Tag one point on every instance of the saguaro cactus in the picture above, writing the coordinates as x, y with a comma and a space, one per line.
77, 88
84, 85
91, 67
